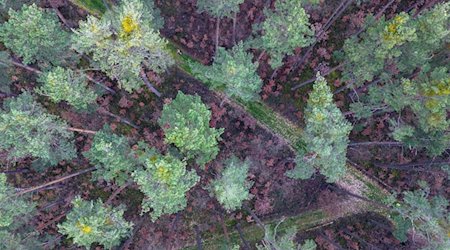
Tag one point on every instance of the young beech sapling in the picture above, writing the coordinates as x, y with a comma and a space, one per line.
231, 188
112, 156
36, 35
92, 222
285, 28
123, 41
424, 215
185, 122
164, 182
232, 70
326, 136
61, 84
26, 129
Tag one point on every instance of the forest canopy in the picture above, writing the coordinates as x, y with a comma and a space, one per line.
244, 124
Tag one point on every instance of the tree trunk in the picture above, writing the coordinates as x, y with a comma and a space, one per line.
198, 238
217, 33
149, 85
37, 188
241, 235
234, 28
314, 78
376, 143
337, 13
86, 131
123, 120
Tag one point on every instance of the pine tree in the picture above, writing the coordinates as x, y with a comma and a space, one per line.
287, 241
285, 28
123, 41
425, 215
219, 8
185, 122
366, 57
326, 136
93, 222
233, 71
112, 156
36, 35
427, 96
411, 45
15, 212
404, 42
232, 188
164, 182
61, 84
26, 129
12, 209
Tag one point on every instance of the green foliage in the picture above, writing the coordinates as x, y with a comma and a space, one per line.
61, 84
284, 29
185, 122
5, 69
366, 57
219, 8
14, 214
35, 35
92, 222
287, 241
425, 215
123, 41
164, 181
27, 130
19, 241
232, 188
12, 208
112, 156
403, 41
326, 136
427, 96
432, 35
232, 70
